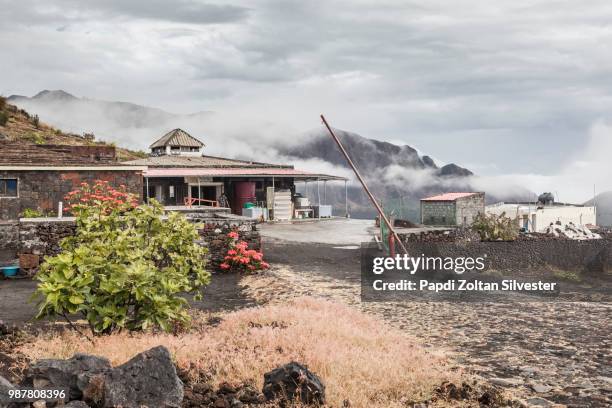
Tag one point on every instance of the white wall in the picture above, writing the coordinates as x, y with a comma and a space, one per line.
577, 215
546, 215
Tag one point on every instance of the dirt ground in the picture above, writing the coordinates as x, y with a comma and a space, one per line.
17, 307
544, 353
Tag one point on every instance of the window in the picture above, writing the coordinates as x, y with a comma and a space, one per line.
171, 192
8, 187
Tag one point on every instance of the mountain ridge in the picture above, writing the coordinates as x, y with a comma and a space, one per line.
396, 173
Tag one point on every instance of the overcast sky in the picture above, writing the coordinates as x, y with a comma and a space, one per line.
501, 87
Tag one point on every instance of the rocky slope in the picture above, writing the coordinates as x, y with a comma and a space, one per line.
398, 175
19, 125
370, 155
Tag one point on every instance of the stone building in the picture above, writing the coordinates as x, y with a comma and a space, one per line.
38, 177
179, 174
452, 209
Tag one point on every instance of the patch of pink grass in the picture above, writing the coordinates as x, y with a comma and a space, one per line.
358, 357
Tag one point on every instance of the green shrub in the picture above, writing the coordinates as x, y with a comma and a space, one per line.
569, 276
2, 102
4, 117
35, 138
35, 121
493, 227
31, 213
125, 267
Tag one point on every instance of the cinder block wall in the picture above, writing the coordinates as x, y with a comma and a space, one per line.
467, 208
440, 213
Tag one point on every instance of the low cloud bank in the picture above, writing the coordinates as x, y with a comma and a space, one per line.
239, 135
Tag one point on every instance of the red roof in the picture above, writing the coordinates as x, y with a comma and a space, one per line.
236, 172
447, 196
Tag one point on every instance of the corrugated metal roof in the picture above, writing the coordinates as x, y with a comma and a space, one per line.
238, 172
177, 137
447, 196
200, 162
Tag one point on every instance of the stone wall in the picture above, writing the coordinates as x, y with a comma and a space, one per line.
214, 235
42, 236
467, 208
462, 211
432, 235
43, 190
591, 257
33, 239
9, 240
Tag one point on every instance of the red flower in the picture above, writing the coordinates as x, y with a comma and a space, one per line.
224, 266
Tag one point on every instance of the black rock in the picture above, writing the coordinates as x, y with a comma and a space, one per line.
5, 385
72, 374
76, 404
148, 379
294, 381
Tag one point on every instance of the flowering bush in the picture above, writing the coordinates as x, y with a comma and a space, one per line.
240, 258
99, 197
125, 267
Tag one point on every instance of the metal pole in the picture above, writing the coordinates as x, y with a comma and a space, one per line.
365, 187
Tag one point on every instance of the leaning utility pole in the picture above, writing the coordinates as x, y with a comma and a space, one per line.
383, 217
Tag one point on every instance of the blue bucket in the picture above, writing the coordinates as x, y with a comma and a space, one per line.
9, 270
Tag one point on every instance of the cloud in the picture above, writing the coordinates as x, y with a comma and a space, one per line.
513, 86
32, 12
581, 172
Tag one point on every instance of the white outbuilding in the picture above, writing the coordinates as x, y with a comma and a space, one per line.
537, 217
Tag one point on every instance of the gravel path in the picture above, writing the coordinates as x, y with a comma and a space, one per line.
545, 353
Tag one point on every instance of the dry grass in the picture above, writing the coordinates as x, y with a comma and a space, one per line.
358, 357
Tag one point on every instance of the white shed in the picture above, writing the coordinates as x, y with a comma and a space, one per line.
536, 217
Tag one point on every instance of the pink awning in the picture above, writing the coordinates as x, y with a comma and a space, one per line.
447, 197
237, 172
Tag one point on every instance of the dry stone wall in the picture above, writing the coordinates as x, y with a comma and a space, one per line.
588, 257
33, 239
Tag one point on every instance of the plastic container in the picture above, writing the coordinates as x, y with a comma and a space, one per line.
249, 205
8, 271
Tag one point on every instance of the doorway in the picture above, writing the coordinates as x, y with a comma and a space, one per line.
206, 192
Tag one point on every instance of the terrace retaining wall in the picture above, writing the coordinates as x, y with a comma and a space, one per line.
589, 256
35, 238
